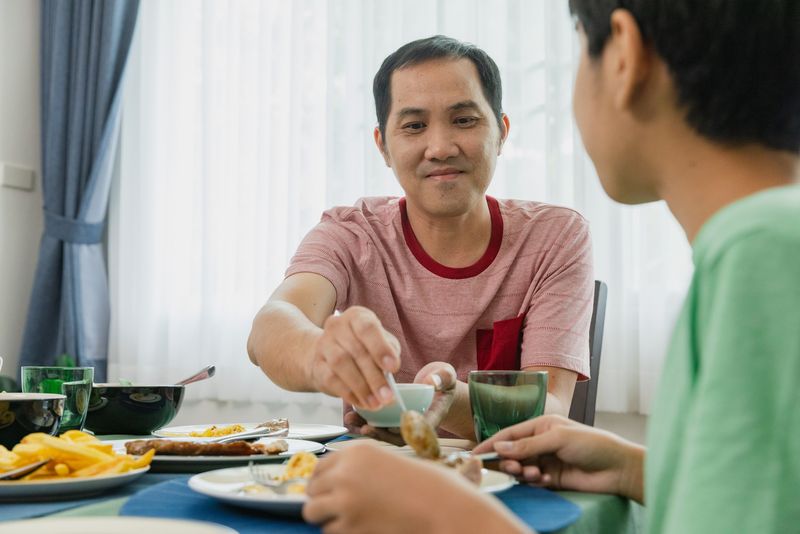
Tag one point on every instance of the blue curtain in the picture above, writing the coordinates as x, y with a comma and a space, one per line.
84, 48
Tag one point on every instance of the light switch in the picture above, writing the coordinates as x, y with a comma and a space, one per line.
18, 177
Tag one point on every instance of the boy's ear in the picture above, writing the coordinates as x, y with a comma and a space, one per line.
381, 147
631, 58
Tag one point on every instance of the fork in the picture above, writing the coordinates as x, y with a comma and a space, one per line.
262, 476
251, 434
22, 471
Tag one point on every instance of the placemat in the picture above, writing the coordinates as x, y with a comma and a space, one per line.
9, 511
541, 509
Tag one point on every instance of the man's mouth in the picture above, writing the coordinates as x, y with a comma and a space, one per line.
444, 175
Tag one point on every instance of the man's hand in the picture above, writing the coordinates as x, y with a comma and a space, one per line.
351, 356
442, 376
556, 452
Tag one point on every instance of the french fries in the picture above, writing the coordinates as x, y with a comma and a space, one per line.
74, 454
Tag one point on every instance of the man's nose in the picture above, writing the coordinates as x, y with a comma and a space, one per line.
441, 144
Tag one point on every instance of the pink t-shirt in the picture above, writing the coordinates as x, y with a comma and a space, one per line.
526, 302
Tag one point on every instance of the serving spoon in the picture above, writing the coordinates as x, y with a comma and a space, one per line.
205, 372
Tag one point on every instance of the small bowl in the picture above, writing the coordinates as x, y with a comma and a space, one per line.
132, 410
24, 413
417, 397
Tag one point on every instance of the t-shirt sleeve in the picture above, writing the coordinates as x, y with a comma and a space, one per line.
327, 250
742, 442
556, 325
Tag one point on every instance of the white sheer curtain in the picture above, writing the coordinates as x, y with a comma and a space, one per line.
244, 120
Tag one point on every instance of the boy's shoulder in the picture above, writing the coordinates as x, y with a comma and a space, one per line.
771, 216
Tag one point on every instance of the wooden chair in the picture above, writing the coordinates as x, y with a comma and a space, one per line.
583, 400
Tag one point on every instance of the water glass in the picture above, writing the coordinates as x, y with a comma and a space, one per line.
73, 382
504, 398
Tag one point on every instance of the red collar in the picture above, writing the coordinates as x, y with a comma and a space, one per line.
456, 272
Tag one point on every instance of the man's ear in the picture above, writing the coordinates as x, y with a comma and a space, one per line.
503, 133
381, 147
631, 58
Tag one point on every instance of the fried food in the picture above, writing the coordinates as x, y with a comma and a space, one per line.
273, 425
300, 465
74, 454
217, 431
165, 447
420, 435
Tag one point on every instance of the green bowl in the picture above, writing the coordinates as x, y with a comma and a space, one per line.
25, 413
136, 410
417, 397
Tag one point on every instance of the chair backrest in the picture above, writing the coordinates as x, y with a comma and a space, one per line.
583, 400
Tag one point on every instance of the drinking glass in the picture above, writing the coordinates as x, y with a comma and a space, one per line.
73, 382
505, 398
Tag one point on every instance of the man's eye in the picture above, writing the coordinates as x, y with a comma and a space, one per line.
414, 126
465, 121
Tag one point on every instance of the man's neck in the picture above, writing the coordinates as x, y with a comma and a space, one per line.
707, 177
456, 241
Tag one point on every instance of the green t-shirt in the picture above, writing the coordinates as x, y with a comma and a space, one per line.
724, 435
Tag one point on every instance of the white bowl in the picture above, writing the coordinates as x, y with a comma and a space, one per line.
417, 397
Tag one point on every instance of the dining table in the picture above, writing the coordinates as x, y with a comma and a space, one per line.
593, 512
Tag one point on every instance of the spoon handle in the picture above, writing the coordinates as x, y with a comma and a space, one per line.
393, 385
206, 372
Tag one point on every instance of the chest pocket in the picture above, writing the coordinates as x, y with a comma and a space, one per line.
499, 347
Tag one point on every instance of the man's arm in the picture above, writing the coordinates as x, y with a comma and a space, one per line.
560, 387
301, 346
286, 329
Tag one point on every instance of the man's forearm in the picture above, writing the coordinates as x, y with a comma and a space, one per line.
281, 343
554, 405
458, 420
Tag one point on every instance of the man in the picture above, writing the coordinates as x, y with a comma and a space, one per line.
443, 281
696, 103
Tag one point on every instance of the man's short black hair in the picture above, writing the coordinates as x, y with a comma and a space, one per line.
735, 63
436, 47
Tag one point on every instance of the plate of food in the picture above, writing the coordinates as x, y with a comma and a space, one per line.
236, 485
187, 455
313, 432
77, 464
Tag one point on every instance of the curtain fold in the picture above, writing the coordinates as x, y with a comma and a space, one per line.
84, 49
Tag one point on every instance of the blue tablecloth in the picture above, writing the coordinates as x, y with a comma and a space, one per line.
541, 509
24, 510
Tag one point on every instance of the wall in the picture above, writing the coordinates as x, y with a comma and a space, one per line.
20, 211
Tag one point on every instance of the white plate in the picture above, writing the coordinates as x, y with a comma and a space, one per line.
313, 432
117, 525
193, 464
225, 485
45, 490
446, 445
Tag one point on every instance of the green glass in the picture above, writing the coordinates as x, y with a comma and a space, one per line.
504, 398
73, 382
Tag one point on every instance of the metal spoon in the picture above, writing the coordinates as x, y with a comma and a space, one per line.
206, 372
22, 471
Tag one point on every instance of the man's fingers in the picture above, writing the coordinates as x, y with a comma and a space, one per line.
368, 366
346, 370
381, 346
383, 435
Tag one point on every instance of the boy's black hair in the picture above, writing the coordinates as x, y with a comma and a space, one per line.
436, 47
735, 63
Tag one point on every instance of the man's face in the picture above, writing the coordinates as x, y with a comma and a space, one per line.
442, 139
